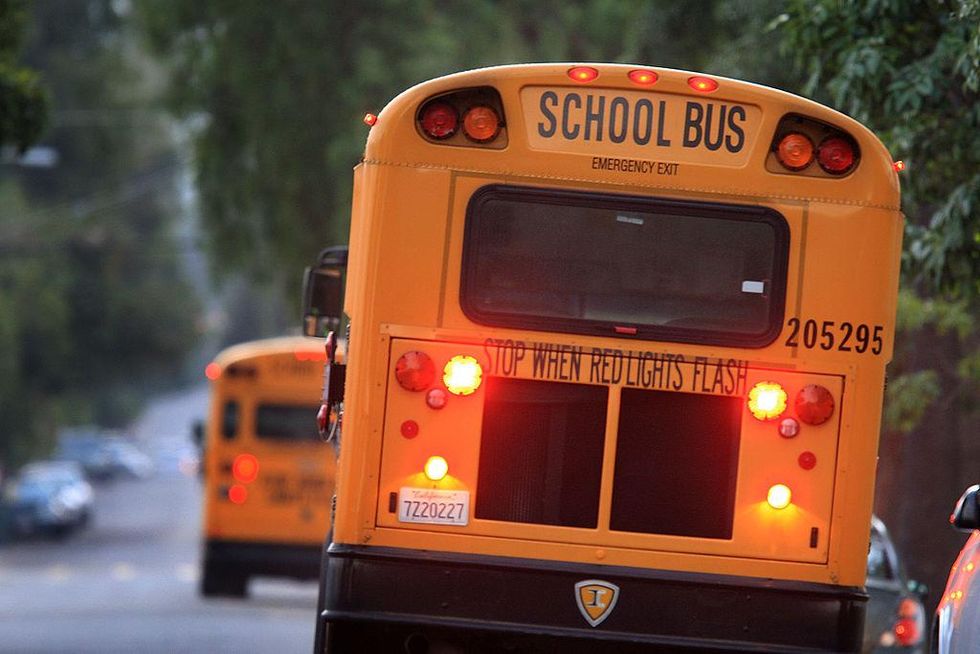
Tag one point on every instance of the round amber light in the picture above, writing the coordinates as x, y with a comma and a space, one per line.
779, 496
481, 124
436, 468
767, 400
795, 151
462, 375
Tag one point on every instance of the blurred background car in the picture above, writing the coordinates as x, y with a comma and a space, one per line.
85, 446
956, 627
49, 497
126, 460
896, 616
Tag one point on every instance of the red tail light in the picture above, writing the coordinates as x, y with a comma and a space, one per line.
415, 371
439, 120
245, 468
814, 404
481, 124
238, 494
836, 155
909, 626
795, 151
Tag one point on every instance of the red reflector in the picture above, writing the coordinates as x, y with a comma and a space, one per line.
439, 120
808, 460
795, 151
836, 155
814, 404
370, 120
212, 371
410, 429
238, 494
643, 77
702, 84
245, 468
625, 330
583, 73
481, 124
415, 371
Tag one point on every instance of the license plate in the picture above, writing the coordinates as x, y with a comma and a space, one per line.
434, 507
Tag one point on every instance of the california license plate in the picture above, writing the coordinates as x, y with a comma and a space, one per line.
434, 507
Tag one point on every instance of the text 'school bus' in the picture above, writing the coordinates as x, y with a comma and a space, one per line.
268, 479
618, 343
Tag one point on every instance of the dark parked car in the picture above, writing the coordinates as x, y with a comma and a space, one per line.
896, 617
956, 627
50, 497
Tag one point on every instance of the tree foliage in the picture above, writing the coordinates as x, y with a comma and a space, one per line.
23, 101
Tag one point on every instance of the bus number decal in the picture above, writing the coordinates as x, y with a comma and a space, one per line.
830, 335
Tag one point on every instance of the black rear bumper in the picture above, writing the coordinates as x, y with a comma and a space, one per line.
274, 559
384, 599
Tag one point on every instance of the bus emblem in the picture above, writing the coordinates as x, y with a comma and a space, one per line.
596, 599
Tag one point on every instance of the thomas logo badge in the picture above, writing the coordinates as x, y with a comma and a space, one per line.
596, 599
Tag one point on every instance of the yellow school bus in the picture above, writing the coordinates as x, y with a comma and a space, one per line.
268, 478
617, 349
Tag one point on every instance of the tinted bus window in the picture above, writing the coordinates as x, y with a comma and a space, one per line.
230, 420
585, 262
286, 423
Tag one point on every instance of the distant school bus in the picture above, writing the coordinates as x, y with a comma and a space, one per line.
268, 478
617, 350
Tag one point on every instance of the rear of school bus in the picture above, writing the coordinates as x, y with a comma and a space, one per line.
616, 368
267, 476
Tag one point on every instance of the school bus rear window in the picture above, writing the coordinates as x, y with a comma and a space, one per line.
623, 265
286, 422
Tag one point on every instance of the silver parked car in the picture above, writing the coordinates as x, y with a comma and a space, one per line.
49, 497
956, 626
896, 619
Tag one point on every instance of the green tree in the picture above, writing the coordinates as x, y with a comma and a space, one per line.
23, 102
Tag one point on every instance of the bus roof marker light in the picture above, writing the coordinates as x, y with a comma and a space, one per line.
643, 77
439, 120
583, 74
481, 124
702, 84
779, 496
462, 375
436, 468
212, 371
767, 400
795, 151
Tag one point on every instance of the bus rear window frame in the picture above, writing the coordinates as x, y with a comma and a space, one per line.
624, 202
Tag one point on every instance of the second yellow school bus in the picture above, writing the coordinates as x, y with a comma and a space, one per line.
268, 479
617, 351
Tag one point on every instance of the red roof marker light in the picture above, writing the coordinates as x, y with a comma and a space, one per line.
643, 77
583, 74
702, 84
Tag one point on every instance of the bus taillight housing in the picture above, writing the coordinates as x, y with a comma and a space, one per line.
471, 117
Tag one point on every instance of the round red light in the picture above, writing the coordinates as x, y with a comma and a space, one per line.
808, 460
836, 155
238, 494
583, 73
899, 166
643, 77
814, 404
212, 371
415, 371
370, 120
245, 468
481, 124
702, 84
436, 398
439, 120
410, 429
795, 151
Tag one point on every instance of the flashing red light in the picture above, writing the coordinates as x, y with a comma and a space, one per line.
643, 77
481, 124
238, 494
795, 151
583, 74
245, 468
415, 371
212, 371
370, 120
439, 120
814, 404
899, 166
836, 155
410, 429
808, 460
702, 84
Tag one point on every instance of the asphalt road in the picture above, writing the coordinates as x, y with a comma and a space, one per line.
128, 582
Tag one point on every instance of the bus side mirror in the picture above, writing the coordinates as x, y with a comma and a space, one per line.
323, 292
966, 515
